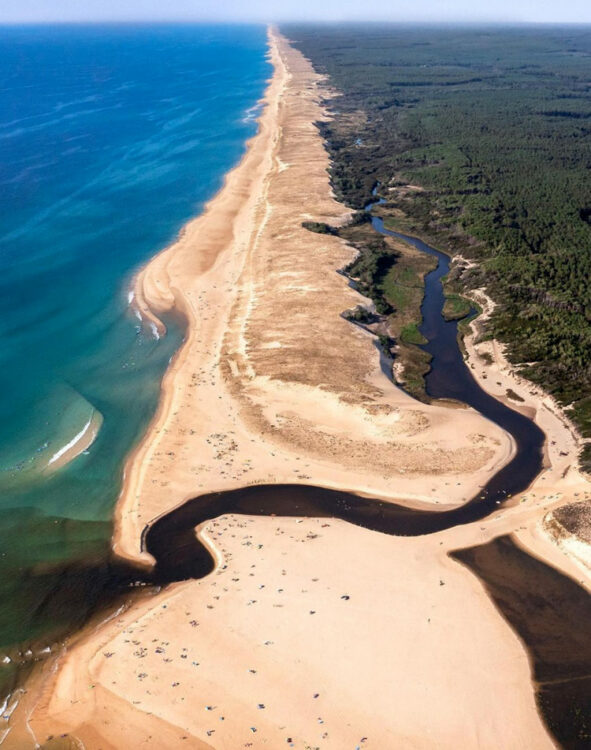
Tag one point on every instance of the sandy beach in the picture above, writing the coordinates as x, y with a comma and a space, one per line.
272, 385
310, 633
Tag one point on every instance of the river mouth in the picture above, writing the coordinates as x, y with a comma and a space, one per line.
549, 611
180, 554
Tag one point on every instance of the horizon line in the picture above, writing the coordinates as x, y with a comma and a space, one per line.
271, 22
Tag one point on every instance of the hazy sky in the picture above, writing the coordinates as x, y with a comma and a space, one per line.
567, 11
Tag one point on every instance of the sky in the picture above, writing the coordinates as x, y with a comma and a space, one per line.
539, 11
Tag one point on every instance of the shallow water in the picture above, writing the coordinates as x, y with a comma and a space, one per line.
550, 612
109, 365
111, 138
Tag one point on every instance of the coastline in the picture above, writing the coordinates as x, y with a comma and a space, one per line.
348, 562
179, 280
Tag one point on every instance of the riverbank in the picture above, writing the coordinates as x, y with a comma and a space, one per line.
562, 475
497, 376
272, 385
262, 389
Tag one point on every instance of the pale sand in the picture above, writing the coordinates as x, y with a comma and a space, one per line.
417, 657
499, 377
272, 385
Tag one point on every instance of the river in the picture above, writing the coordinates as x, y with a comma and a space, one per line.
179, 554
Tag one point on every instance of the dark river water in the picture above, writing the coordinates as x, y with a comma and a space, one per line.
450, 377
179, 554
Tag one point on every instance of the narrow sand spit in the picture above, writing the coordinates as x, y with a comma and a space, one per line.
77, 445
311, 633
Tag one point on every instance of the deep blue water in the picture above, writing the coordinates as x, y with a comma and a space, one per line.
111, 138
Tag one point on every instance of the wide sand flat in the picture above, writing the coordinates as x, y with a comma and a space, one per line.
416, 656
311, 633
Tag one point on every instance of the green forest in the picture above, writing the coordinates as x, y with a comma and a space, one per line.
491, 129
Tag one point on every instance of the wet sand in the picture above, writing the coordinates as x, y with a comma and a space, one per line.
309, 632
551, 612
79, 443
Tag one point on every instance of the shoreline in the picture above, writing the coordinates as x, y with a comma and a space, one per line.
77, 445
172, 305
162, 286
258, 414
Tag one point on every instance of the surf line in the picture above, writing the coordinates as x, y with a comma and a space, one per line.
82, 439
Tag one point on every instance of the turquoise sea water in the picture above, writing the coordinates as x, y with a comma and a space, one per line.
111, 138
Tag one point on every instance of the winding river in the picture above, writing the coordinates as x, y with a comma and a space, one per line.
450, 377
524, 589
180, 555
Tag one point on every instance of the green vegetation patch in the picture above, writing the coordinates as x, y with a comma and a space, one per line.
390, 273
319, 227
585, 458
456, 307
371, 267
416, 364
410, 334
495, 126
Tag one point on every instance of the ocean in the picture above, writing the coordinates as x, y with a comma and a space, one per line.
111, 138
